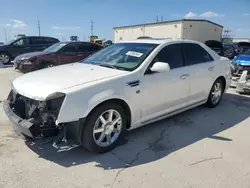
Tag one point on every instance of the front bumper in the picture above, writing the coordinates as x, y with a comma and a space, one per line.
19, 65
23, 126
30, 129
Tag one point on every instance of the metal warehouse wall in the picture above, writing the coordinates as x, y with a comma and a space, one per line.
164, 30
193, 30
201, 31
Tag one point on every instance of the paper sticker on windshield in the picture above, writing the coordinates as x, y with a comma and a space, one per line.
135, 54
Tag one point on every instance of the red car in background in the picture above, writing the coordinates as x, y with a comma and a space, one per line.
57, 54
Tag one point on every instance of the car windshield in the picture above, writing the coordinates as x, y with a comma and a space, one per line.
55, 47
11, 41
247, 52
123, 56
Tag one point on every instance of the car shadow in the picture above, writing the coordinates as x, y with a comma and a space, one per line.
157, 140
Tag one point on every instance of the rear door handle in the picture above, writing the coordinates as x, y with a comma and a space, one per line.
184, 76
211, 68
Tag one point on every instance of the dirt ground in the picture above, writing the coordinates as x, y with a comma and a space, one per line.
200, 148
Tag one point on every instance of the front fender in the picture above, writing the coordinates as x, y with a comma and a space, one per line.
79, 105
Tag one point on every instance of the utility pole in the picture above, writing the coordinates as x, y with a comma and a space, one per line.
157, 19
38, 27
5, 34
92, 27
161, 18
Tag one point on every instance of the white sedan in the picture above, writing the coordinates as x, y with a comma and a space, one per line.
119, 88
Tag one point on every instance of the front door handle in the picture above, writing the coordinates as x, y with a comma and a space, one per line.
211, 68
184, 76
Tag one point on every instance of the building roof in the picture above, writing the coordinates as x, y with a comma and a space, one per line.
172, 21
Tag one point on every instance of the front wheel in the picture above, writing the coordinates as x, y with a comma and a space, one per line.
4, 58
104, 128
216, 93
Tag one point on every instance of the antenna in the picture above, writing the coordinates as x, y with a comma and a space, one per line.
38, 27
92, 27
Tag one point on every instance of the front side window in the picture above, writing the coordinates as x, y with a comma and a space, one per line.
124, 56
20, 42
195, 54
172, 55
71, 48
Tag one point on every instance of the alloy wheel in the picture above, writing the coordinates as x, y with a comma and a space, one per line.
107, 128
4, 58
216, 93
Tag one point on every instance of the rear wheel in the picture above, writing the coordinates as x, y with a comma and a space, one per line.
216, 93
104, 128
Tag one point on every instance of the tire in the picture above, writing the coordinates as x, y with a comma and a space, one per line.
216, 93
94, 122
45, 65
48, 65
5, 57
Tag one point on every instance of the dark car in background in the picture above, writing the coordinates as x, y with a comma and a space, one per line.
217, 46
242, 47
22, 45
57, 54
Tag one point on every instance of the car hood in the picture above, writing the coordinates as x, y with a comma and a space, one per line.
43, 83
29, 55
242, 59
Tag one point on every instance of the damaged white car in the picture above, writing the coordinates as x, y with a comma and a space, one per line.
119, 88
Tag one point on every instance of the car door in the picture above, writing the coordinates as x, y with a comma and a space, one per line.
200, 64
163, 93
19, 47
68, 54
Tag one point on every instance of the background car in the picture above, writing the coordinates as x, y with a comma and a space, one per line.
57, 54
217, 46
242, 47
23, 45
241, 63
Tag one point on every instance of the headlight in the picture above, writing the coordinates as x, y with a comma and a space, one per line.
27, 62
23, 58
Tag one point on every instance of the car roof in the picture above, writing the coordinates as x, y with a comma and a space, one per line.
158, 41
71, 42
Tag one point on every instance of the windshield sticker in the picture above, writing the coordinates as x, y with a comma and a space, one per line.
135, 54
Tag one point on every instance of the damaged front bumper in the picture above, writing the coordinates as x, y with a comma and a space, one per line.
36, 119
33, 118
24, 126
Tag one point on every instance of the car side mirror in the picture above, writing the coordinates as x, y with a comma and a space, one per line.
160, 67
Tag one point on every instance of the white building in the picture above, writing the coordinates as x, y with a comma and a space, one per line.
241, 39
200, 30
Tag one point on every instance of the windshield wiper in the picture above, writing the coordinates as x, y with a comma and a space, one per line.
108, 65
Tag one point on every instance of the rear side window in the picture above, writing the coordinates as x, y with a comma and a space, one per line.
88, 47
37, 40
172, 55
195, 54
51, 40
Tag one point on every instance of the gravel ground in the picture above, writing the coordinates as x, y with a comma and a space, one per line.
199, 148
